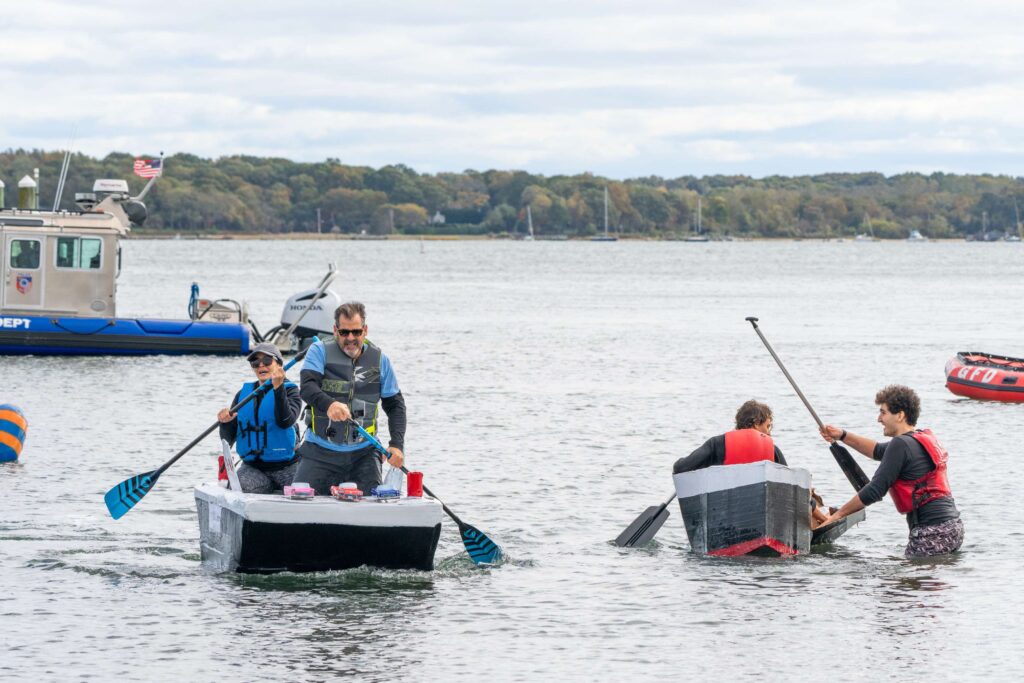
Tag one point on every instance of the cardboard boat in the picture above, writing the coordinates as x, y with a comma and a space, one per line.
267, 533
760, 508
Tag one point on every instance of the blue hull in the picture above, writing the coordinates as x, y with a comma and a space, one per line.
37, 335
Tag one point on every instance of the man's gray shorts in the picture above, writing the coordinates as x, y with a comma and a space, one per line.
322, 468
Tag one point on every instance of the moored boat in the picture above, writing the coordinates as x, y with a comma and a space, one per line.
759, 508
58, 293
986, 376
59, 285
262, 534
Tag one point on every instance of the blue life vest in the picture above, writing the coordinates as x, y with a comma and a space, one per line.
259, 437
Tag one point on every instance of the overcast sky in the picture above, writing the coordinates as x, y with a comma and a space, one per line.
620, 89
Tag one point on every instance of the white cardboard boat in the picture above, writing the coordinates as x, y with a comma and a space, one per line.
266, 533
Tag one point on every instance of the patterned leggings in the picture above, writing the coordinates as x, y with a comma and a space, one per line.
936, 539
255, 480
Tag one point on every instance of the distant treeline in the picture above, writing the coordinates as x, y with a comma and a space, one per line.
253, 194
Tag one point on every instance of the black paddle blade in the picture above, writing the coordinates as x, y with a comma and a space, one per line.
830, 532
643, 528
854, 474
125, 495
481, 549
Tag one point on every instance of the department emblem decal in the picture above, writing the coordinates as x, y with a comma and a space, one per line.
23, 283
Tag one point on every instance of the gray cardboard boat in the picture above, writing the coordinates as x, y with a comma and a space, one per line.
760, 508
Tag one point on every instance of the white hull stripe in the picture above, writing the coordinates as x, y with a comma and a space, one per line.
276, 509
725, 477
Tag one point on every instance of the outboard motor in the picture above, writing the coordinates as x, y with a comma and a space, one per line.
306, 315
319, 319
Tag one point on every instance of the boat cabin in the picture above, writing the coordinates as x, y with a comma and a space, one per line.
66, 263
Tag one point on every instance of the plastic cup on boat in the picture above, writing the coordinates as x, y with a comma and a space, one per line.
414, 484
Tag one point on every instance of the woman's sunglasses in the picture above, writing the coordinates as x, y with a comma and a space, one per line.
265, 360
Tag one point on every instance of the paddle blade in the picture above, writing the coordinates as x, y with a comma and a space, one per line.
481, 549
854, 474
125, 495
643, 528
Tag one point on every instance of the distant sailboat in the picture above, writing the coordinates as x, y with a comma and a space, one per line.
529, 225
1010, 237
606, 237
698, 234
869, 236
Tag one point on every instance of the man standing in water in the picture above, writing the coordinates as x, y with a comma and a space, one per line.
342, 380
913, 468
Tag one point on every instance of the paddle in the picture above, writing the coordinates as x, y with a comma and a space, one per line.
846, 462
644, 527
481, 549
129, 492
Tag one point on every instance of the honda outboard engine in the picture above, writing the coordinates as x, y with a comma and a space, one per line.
320, 318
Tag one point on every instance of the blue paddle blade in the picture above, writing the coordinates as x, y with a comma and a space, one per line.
481, 549
125, 495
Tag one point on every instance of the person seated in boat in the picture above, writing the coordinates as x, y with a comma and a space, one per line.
749, 442
264, 431
913, 469
342, 380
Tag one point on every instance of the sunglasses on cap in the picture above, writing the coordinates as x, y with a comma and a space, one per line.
265, 361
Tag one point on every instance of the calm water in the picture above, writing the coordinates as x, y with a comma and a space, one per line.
550, 386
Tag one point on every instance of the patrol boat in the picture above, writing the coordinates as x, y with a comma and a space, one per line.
59, 283
265, 533
760, 508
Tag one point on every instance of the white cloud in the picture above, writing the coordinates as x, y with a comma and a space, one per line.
551, 87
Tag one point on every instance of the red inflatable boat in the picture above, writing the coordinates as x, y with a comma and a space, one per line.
985, 376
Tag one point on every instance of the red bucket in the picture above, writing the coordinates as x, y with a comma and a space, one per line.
414, 484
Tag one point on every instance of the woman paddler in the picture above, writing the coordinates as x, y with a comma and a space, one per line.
264, 430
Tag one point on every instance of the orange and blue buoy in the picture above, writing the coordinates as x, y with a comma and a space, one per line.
13, 427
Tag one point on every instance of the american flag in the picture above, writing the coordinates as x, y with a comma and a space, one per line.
148, 168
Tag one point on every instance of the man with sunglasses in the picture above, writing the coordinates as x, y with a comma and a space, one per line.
263, 431
343, 379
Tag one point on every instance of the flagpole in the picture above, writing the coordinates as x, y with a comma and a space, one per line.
151, 180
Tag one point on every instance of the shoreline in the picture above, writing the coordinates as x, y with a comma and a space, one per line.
305, 236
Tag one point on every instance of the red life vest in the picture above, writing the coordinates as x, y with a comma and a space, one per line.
909, 495
748, 445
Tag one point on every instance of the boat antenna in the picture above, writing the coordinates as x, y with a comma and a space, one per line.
151, 180
64, 170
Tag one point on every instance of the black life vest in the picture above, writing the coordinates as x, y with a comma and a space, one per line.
356, 383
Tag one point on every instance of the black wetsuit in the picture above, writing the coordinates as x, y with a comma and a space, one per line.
712, 452
905, 458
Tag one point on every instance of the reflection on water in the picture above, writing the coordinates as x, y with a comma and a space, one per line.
550, 388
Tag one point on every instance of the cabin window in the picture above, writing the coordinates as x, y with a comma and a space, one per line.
25, 254
79, 252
